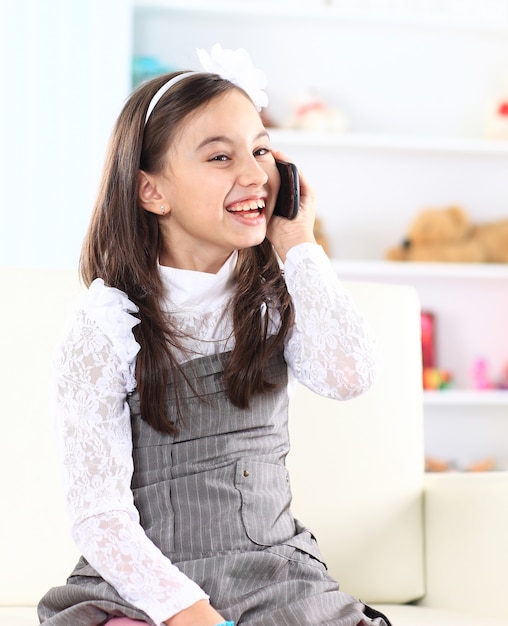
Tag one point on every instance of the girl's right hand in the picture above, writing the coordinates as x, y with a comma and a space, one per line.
199, 614
282, 233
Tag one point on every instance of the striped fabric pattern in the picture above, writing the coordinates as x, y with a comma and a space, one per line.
216, 499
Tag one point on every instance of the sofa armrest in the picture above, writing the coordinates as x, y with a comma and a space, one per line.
466, 525
357, 466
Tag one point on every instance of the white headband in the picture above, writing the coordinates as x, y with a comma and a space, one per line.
162, 91
233, 65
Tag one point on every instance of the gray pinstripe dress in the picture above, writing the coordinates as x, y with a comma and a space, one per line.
215, 498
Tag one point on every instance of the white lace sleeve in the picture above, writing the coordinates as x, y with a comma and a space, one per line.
94, 372
330, 348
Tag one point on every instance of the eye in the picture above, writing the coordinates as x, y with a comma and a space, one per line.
220, 157
261, 152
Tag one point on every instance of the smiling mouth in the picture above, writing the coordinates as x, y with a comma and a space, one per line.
249, 208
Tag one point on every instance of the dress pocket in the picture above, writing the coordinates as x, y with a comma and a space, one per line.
266, 502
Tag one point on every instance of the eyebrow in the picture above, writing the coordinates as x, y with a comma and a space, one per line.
224, 139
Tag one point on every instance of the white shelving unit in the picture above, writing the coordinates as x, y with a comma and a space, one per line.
462, 425
470, 307
416, 80
463, 397
391, 142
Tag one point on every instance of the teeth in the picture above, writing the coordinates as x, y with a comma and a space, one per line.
252, 205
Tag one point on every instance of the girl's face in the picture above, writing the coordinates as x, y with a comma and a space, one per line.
219, 185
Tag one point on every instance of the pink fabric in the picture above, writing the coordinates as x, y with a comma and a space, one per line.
125, 621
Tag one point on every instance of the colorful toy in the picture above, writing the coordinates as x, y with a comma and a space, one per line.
435, 378
503, 382
428, 325
448, 235
497, 120
313, 113
146, 67
480, 375
433, 464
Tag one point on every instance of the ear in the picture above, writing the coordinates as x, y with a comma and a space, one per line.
148, 195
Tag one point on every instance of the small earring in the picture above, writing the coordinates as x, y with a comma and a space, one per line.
163, 209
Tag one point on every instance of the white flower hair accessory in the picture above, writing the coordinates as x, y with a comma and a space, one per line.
237, 67
233, 65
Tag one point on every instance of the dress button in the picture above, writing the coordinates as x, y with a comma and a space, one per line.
246, 473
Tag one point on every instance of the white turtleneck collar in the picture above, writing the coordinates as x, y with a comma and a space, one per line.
191, 289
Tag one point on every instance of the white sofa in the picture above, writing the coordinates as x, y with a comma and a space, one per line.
429, 550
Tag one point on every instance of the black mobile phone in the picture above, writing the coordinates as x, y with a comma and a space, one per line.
288, 199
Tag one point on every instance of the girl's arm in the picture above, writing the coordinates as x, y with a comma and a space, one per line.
94, 372
330, 347
199, 614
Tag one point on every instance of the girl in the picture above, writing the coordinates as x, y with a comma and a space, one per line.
171, 383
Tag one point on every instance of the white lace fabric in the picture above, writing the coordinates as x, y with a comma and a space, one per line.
330, 350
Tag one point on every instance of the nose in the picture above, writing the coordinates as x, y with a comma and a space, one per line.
251, 174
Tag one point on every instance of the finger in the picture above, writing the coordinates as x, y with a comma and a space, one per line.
278, 155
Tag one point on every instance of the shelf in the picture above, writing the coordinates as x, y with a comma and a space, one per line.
383, 141
469, 397
400, 269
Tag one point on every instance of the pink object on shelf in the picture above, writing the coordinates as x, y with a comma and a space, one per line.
479, 374
428, 339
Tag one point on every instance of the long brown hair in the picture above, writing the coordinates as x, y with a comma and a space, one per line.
123, 244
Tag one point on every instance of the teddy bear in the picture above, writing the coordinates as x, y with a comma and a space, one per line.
446, 234
321, 236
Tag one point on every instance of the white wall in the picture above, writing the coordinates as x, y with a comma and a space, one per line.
64, 73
